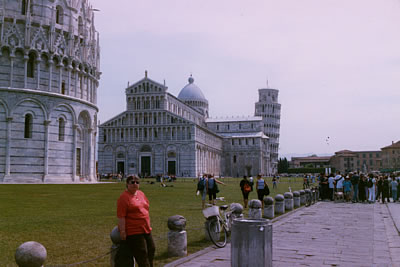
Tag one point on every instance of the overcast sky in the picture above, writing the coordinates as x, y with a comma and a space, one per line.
336, 63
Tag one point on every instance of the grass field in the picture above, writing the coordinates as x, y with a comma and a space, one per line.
74, 221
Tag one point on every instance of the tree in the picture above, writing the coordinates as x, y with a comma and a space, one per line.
283, 165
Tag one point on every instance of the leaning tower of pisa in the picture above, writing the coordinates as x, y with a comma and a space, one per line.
49, 74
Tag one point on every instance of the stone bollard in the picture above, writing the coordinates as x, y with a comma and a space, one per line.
308, 194
279, 204
288, 201
302, 197
116, 239
296, 199
237, 211
30, 254
255, 209
269, 208
177, 236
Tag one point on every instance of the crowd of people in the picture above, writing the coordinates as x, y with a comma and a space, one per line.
359, 187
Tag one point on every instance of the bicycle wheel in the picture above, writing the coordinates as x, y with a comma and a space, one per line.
217, 232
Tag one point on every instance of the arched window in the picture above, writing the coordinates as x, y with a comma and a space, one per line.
28, 126
23, 7
63, 88
59, 15
31, 66
61, 129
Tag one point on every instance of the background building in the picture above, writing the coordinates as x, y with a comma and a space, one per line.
391, 157
163, 134
49, 72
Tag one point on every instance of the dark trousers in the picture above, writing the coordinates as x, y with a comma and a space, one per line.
139, 246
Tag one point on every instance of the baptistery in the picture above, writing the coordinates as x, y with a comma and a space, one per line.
49, 75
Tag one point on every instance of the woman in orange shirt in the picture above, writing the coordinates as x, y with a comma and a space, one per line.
134, 227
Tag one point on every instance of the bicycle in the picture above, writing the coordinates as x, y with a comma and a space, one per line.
218, 225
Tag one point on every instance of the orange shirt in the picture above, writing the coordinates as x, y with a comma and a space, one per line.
135, 210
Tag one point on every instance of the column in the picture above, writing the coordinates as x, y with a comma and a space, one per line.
74, 129
60, 78
46, 150
50, 73
90, 154
26, 58
12, 56
8, 148
69, 80
38, 73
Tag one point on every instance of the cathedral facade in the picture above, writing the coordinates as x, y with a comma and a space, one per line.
49, 73
162, 134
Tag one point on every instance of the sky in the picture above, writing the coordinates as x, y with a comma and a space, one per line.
336, 63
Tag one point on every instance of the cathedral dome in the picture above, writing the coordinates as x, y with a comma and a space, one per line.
191, 92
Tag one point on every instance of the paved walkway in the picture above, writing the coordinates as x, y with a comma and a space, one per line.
325, 234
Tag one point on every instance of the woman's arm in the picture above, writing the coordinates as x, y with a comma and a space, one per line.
121, 227
217, 181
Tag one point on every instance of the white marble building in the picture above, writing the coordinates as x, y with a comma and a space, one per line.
163, 134
49, 73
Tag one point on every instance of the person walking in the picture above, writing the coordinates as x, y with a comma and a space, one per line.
245, 187
394, 184
331, 182
274, 185
361, 187
371, 188
212, 188
261, 189
385, 190
134, 227
355, 179
202, 188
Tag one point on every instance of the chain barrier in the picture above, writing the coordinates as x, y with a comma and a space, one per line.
160, 237
85, 261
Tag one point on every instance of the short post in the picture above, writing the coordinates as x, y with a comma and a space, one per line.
177, 236
308, 194
116, 239
279, 204
302, 197
237, 210
251, 243
30, 254
254, 209
269, 208
288, 201
296, 199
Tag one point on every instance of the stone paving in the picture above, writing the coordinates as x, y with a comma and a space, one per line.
325, 234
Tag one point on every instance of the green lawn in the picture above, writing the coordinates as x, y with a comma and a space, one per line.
73, 222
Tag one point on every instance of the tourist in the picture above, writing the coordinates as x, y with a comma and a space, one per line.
339, 184
324, 187
371, 183
212, 188
379, 185
262, 189
363, 190
246, 189
394, 184
202, 188
385, 189
134, 227
305, 181
347, 188
355, 180
274, 183
331, 182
